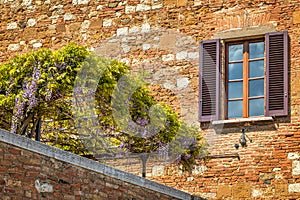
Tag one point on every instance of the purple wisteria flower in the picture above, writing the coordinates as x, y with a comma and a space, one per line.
31, 88
28, 97
142, 121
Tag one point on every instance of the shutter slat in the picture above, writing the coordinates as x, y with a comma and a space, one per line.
277, 74
209, 81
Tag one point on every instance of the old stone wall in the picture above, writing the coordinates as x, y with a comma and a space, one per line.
162, 37
32, 170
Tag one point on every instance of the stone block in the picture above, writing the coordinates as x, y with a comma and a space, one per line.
99, 7
170, 3
31, 22
241, 190
243, 32
281, 190
193, 55
122, 31
134, 29
129, 9
12, 26
142, 7
26, 2
126, 48
80, 2
14, 183
85, 24
207, 195
42, 187
181, 55
266, 176
112, 4
295, 187
107, 22
181, 2
182, 83
74, 27
51, 27
168, 85
145, 28
146, 47
293, 156
97, 24
158, 170
199, 169
224, 191
197, 2
13, 47
256, 193
29, 33
167, 58
83, 1
167, 41
110, 50
296, 17
60, 28
296, 167
158, 6
37, 45
93, 14
69, 17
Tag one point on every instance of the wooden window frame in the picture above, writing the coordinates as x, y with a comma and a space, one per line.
245, 98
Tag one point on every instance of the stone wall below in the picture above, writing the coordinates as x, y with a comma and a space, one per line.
33, 170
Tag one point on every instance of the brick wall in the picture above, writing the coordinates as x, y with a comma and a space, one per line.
32, 170
162, 37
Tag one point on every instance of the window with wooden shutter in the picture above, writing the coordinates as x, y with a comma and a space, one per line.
209, 80
277, 73
256, 78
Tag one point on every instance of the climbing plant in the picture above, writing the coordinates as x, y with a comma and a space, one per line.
38, 86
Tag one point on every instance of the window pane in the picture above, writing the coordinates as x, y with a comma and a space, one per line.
256, 69
235, 90
256, 50
256, 88
256, 107
235, 71
235, 109
235, 52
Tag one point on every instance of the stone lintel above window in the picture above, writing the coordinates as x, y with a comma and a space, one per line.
245, 32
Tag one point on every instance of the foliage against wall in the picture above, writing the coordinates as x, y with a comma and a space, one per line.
38, 86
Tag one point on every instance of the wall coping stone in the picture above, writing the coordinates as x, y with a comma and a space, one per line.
58, 154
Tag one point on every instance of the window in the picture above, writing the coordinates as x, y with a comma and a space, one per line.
245, 79
255, 78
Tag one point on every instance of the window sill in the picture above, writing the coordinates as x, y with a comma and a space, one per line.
239, 120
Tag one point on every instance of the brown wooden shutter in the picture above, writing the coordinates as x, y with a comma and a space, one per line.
209, 80
277, 74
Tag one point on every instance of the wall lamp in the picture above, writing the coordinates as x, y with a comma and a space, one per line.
243, 139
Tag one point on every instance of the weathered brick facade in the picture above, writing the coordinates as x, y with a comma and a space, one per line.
162, 37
